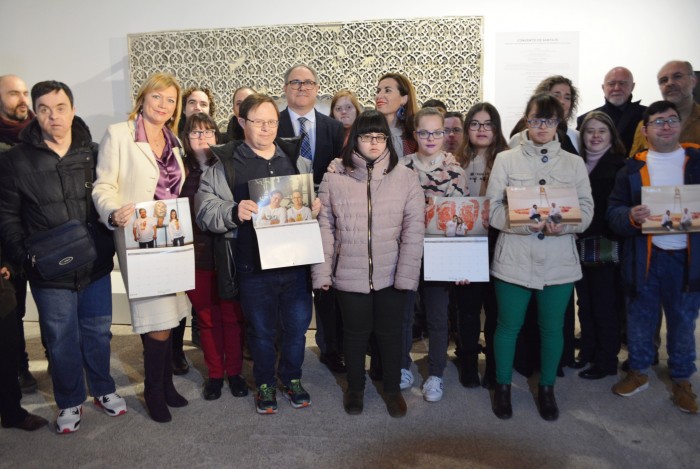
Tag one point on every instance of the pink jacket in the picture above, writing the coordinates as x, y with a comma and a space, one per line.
372, 227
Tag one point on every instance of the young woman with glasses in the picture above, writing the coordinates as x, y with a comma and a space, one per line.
220, 321
483, 141
372, 229
440, 175
537, 259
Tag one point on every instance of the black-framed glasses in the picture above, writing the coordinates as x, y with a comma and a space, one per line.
673, 122
366, 138
476, 125
549, 123
259, 124
425, 135
453, 130
197, 134
297, 84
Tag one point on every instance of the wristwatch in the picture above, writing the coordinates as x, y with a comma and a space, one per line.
110, 221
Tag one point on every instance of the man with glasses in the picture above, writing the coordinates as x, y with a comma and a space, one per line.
676, 82
277, 302
618, 85
658, 270
454, 134
322, 140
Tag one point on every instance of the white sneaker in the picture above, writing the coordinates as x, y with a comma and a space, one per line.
112, 404
68, 420
406, 378
432, 389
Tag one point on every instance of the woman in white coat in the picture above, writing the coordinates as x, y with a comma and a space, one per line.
539, 258
141, 160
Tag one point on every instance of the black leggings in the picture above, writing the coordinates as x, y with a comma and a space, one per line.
379, 313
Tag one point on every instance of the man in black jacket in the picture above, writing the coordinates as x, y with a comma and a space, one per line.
322, 140
45, 181
15, 115
625, 113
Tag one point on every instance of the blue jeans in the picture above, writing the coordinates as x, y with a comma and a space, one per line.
76, 325
664, 287
279, 298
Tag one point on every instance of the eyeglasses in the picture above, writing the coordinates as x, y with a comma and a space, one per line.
259, 124
197, 134
346, 108
673, 122
476, 125
453, 130
366, 138
549, 123
425, 135
297, 84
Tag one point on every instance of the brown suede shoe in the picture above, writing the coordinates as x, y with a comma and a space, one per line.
684, 397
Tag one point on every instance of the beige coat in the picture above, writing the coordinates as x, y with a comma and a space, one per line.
127, 171
521, 257
396, 227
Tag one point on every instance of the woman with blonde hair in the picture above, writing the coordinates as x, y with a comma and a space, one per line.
141, 160
345, 108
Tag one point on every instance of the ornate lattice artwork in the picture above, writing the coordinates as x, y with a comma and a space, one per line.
441, 56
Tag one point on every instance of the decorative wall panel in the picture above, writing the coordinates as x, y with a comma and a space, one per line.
441, 56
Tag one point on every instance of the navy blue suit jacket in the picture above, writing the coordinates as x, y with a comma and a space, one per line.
329, 140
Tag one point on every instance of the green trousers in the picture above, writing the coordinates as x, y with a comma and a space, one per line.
512, 306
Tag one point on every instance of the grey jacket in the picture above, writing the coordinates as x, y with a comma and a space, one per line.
521, 257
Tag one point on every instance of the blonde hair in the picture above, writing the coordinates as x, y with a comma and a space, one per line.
158, 82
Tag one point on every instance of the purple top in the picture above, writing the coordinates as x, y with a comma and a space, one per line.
168, 186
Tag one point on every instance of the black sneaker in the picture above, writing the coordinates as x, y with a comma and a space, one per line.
266, 400
296, 394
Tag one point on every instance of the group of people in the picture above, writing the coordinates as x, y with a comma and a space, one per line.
374, 170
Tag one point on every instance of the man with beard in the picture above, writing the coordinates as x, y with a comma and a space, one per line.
15, 115
625, 113
676, 82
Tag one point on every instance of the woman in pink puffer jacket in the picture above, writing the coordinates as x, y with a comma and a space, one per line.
372, 229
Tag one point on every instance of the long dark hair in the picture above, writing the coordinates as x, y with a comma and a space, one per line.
199, 119
466, 153
368, 122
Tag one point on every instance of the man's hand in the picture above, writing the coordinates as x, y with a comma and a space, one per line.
640, 213
5, 273
246, 209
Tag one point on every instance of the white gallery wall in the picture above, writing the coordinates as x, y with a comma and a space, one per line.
83, 42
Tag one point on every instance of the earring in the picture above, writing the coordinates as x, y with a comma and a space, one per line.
401, 113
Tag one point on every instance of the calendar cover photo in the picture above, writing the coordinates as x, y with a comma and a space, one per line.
159, 248
532, 204
674, 209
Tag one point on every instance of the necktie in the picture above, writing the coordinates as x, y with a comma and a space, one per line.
305, 141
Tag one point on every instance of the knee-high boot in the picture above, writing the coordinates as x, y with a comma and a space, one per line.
154, 363
172, 397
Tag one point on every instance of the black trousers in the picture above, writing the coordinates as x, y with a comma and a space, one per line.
328, 314
11, 412
380, 313
470, 299
599, 300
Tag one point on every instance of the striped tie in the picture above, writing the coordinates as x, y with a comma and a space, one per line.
305, 142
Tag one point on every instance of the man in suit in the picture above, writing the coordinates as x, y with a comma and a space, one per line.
625, 113
322, 140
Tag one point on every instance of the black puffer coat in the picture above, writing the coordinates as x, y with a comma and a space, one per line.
40, 190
